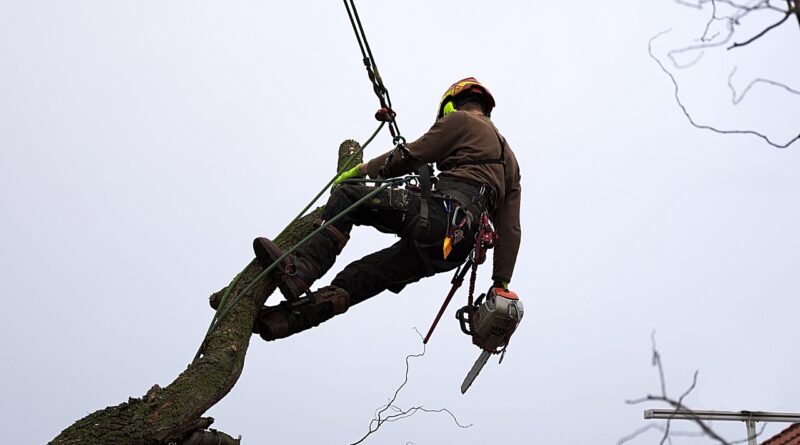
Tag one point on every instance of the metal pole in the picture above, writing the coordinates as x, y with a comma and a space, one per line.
751, 432
748, 417
742, 416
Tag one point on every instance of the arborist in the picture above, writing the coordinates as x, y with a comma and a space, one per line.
437, 227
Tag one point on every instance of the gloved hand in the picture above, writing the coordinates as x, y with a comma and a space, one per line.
354, 172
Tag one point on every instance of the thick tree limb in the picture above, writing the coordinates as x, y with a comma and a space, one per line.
172, 414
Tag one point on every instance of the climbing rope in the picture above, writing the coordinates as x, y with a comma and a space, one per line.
386, 113
345, 167
222, 308
224, 311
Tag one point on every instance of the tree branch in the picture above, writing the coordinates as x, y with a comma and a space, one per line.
736, 100
400, 414
172, 414
678, 405
686, 112
795, 6
763, 32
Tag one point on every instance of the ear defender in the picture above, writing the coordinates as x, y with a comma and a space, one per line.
448, 108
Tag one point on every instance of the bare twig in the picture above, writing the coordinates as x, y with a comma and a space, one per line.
707, 43
740, 97
686, 112
399, 413
763, 32
679, 406
739, 11
711, 20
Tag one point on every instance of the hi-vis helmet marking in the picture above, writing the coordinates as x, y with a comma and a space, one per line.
468, 85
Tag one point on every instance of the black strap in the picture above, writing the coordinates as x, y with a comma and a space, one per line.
405, 155
425, 190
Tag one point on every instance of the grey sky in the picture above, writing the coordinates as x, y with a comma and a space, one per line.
144, 144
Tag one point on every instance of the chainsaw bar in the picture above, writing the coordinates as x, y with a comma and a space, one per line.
476, 369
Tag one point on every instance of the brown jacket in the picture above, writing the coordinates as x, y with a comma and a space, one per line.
462, 137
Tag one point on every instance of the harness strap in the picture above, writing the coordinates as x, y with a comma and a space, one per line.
474, 199
425, 190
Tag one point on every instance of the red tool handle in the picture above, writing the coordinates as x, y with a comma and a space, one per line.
457, 280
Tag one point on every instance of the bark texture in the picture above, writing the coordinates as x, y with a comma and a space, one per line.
172, 414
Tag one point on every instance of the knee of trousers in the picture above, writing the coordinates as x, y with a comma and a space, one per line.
342, 197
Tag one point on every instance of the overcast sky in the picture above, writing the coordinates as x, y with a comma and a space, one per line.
144, 144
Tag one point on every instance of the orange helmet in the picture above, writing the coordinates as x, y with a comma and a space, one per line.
464, 86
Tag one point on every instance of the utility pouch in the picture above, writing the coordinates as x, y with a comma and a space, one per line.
392, 198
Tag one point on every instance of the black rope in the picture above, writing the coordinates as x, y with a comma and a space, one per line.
472, 278
372, 68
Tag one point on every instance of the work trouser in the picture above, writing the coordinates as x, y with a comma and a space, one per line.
416, 255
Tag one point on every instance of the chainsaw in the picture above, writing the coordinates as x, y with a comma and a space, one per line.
490, 321
492, 318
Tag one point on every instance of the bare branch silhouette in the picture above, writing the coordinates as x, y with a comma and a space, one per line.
732, 14
763, 32
736, 100
735, 18
691, 119
399, 413
678, 405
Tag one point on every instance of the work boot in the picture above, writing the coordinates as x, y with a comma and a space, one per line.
293, 275
309, 262
289, 318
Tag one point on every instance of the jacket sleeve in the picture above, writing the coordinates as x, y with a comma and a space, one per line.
509, 233
430, 147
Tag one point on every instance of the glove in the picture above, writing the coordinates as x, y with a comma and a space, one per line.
501, 284
354, 172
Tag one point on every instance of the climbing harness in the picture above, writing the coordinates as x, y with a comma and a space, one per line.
485, 239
